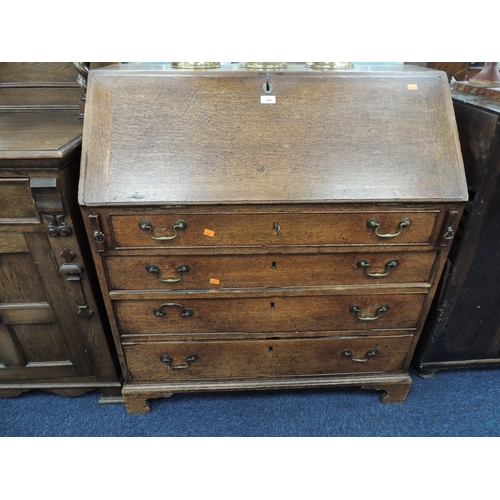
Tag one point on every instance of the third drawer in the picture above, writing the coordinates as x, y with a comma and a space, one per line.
294, 314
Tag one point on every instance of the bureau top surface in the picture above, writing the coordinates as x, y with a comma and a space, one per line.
155, 135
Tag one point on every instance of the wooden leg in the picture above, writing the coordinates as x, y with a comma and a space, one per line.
394, 393
136, 403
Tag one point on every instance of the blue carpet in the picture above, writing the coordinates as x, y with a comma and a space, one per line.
458, 403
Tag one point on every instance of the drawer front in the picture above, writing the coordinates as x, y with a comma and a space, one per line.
202, 230
16, 202
161, 361
269, 314
183, 272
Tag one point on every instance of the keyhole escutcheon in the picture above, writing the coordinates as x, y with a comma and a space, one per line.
267, 88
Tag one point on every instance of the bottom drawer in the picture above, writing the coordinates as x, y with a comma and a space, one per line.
157, 361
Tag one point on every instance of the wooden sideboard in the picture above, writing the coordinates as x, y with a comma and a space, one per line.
463, 328
54, 334
265, 230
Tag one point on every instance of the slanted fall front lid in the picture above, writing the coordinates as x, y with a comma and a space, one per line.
156, 137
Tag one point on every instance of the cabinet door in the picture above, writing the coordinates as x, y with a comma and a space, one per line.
38, 335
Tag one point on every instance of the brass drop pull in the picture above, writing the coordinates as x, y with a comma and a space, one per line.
145, 225
167, 359
184, 313
449, 233
356, 309
363, 263
375, 224
99, 237
154, 269
348, 354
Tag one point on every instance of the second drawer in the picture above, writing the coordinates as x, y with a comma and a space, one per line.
183, 272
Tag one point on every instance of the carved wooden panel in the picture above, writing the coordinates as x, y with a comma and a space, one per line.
16, 202
52, 336
36, 331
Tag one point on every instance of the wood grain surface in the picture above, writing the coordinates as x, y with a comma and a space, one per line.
265, 358
259, 214
269, 314
45, 343
43, 135
359, 136
270, 270
219, 230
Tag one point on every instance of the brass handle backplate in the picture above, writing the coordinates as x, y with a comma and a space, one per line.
373, 223
363, 263
145, 225
348, 354
168, 360
185, 312
356, 309
154, 269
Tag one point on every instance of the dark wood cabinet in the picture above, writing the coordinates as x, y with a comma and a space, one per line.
257, 230
53, 329
463, 328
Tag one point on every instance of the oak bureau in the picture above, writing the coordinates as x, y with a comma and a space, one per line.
268, 229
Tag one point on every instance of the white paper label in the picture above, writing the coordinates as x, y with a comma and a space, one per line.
268, 99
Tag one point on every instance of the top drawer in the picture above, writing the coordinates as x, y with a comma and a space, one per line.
191, 229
